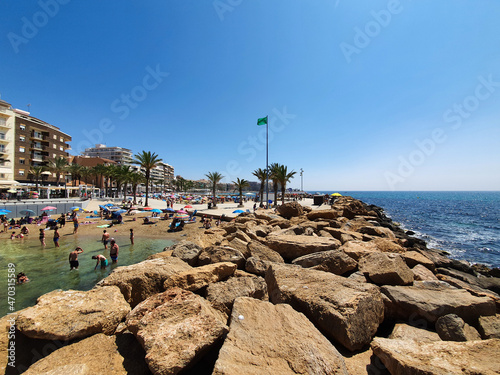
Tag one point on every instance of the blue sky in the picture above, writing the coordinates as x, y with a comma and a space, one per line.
364, 95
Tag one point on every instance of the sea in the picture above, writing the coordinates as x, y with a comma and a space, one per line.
466, 224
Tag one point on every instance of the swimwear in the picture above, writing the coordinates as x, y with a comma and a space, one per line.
104, 263
105, 242
73, 263
114, 257
56, 239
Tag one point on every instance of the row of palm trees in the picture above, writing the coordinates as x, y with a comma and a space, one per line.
278, 174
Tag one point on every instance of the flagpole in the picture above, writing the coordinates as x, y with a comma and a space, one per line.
267, 161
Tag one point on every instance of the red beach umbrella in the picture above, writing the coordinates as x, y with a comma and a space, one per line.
49, 208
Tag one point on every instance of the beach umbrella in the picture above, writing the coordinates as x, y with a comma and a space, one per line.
336, 195
77, 209
12, 191
27, 212
238, 211
156, 210
147, 208
182, 212
119, 212
6, 211
181, 216
49, 208
109, 205
188, 206
168, 210
133, 212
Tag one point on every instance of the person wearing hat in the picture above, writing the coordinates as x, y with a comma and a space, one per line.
113, 252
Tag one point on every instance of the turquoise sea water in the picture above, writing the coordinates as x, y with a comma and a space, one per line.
465, 223
48, 269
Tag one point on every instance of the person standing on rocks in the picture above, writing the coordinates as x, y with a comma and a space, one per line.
113, 252
73, 258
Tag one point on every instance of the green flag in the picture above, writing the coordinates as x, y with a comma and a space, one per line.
262, 121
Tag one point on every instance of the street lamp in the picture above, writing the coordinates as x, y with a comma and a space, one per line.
301, 179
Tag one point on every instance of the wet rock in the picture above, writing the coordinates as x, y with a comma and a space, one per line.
200, 277
452, 328
385, 269
408, 357
72, 314
99, 354
217, 254
430, 301
139, 281
347, 311
175, 328
334, 261
274, 339
222, 294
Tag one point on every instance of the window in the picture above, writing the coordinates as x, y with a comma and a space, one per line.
22, 149
2, 135
54, 146
2, 148
21, 172
22, 161
54, 156
54, 136
61, 148
22, 127
61, 139
2, 175
22, 138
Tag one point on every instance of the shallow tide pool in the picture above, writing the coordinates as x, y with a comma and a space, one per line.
48, 268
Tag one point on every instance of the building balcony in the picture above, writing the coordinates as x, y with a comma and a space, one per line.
5, 139
37, 158
38, 137
37, 147
4, 124
67, 147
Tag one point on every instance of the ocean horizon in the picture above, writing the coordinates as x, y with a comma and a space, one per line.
464, 223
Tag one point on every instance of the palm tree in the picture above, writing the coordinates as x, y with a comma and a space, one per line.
136, 179
214, 178
239, 185
36, 173
283, 177
99, 170
262, 176
120, 174
58, 166
75, 172
147, 161
273, 169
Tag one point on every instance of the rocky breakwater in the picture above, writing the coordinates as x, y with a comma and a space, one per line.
341, 290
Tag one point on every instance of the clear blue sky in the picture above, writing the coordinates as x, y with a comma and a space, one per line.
363, 95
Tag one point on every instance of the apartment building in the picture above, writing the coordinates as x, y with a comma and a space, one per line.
163, 172
119, 155
7, 122
36, 142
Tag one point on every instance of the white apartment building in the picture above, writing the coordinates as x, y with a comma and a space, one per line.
119, 155
7, 129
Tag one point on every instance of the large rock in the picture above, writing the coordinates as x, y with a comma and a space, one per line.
99, 354
334, 261
139, 281
222, 294
187, 251
430, 301
386, 269
290, 209
291, 247
343, 235
175, 328
274, 339
408, 357
404, 331
263, 252
491, 283
489, 326
422, 273
256, 266
452, 328
323, 214
217, 254
200, 277
347, 311
414, 258
72, 314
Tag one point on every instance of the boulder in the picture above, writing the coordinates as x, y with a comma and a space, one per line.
334, 261
386, 269
200, 277
187, 251
357, 249
491, 283
471, 288
239, 234
217, 254
222, 294
263, 252
422, 273
408, 357
343, 235
239, 245
72, 314
256, 266
451, 327
430, 301
175, 328
274, 339
99, 354
414, 258
404, 331
290, 209
139, 281
377, 231
291, 247
347, 311
489, 326
323, 214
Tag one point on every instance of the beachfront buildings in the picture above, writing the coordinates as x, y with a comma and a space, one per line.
36, 143
119, 155
163, 174
7, 120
